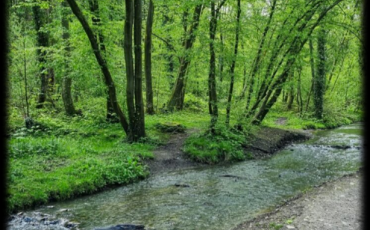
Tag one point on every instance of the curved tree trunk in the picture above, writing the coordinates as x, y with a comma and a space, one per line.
102, 63
96, 21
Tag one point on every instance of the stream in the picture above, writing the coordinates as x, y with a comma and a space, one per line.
218, 197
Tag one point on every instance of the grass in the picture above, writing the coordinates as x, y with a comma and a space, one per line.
223, 145
331, 119
68, 157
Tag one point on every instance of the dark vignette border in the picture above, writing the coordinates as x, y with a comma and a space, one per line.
3, 75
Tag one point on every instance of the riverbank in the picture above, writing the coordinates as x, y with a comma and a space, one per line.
280, 171
332, 205
261, 144
65, 158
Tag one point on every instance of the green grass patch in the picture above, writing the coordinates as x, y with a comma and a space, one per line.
224, 145
331, 119
66, 157
57, 168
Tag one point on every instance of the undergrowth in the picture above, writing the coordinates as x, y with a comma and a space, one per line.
64, 157
211, 148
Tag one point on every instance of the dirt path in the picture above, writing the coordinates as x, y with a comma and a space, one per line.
333, 205
170, 157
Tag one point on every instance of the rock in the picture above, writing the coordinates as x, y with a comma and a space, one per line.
182, 185
27, 219
52, 222
290, 227
71, 224
124, 227
63, 210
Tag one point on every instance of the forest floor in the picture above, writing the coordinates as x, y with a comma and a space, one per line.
265, 142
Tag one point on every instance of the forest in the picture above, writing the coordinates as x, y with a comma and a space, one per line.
95, 86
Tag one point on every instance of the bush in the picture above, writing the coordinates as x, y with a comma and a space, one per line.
223, 145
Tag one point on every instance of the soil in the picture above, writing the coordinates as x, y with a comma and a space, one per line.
170, 157
333, 205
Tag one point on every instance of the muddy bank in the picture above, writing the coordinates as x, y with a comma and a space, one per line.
265, 142
269, 140
332, 205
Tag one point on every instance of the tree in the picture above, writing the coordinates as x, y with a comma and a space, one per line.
212, 101
96, 21
67, 80
303, 27
176, 100
148, 59
102, 63
232, 66
40, 19
134, 73
319, 80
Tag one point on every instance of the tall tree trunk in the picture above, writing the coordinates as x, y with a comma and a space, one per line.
148, 59
67, 80
134, 73
232, 67
319, 80
176, 100
299, 91
130, 74
40, 19
139, 127
312, 65
102, 63
212, 102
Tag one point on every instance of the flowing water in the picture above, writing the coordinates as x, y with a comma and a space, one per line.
221, 197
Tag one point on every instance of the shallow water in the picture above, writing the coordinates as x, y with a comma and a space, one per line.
213, 201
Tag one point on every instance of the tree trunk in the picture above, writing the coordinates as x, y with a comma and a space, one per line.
212, 102
134, 73
40, 18
319, 80
232, 67
312, 65
148, 59
102, 63
139, 124
67, 81
176, 100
